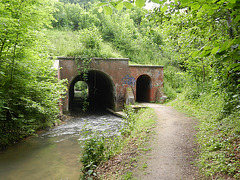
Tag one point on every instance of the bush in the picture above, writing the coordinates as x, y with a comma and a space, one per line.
72, 43
73, 17
174, 82
169, 91
29, 89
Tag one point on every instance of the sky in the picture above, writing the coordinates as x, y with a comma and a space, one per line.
150, 5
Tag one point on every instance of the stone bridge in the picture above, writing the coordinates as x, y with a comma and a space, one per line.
111, 82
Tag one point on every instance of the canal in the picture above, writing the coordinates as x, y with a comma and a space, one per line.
54, 154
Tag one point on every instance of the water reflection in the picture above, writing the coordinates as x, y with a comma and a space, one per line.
53, 154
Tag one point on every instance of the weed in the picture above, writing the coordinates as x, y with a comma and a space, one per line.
79, 46
133, 160
146, 149
144, 165
129, 120
128, 176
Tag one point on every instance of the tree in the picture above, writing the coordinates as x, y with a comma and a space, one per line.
209, 30
29, 91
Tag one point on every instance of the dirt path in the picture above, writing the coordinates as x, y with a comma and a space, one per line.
173, 148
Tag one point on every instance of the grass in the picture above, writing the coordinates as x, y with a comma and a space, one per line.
63, 42
70, 43
218, 135
76, 43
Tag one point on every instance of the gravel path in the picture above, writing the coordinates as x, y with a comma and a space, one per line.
173, 147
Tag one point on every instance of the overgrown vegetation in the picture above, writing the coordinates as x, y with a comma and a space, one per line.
29, 91
218, 136
98, 148
90, 32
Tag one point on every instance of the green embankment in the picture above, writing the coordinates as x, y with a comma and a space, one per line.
218, 135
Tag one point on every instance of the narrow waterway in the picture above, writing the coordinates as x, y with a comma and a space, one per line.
54, 154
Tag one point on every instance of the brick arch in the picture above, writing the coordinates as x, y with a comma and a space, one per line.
143, 88
101, 90
118, 79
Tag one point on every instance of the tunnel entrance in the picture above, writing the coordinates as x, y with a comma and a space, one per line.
99, 95
143, 88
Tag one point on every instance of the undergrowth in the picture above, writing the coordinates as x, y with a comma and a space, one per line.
218, 135
173, 82
98, 148
80, 43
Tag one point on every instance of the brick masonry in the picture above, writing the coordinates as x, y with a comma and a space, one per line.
116, 73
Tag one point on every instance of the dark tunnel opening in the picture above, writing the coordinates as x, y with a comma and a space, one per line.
143, 89
100, 92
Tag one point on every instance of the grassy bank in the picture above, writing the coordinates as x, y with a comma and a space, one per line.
113, 158
218, 135
75, 43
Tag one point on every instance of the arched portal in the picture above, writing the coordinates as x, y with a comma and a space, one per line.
143, 89
101, 91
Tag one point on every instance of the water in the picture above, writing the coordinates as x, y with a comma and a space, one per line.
54, 154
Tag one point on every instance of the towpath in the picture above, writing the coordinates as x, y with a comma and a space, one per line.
173, 148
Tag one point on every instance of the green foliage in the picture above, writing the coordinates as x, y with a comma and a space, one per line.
206, 35
221, 147
81, 94
80, 86
90, 40
29, 91
81, 2
68, 43
174, 82
94, 150
121, 30
119, 5
63, 42
119, 33
73, 16
128, 176
129, 120
169, 91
